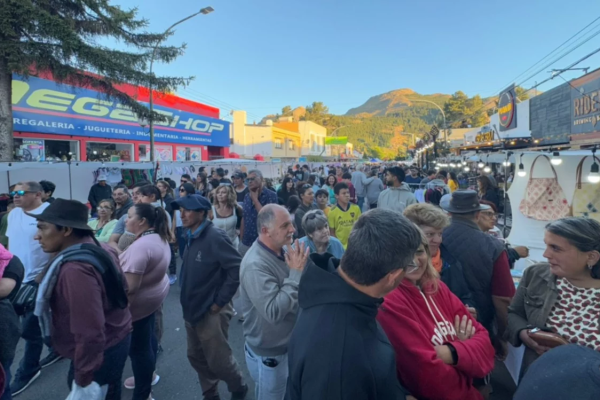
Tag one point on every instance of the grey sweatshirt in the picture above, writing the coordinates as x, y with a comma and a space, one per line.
360, 181
374, 190
269, 297
396, 199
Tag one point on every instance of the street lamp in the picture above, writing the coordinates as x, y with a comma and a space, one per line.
443, 115
203, 11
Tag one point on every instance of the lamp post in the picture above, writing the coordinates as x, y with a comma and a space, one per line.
443, 115
205, 11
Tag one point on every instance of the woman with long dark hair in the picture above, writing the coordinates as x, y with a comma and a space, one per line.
487, 191
330, 183
286, 190
202, 186
452, 181
307, 204
145, 265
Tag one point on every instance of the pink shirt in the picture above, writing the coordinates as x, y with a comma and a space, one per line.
148, 256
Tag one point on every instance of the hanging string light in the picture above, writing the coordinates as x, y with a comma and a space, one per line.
487, 169
481, 164
521, 171
556, 160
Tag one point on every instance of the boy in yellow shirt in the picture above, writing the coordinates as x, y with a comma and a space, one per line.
343, 215
322, 197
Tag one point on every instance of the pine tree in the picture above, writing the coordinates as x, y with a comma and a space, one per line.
63, 37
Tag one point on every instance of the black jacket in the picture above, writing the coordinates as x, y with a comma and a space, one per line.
168, 200
10, 327
99, 193
453, 276
338, 350
210, 272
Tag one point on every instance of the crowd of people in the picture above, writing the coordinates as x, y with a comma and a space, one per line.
350, 282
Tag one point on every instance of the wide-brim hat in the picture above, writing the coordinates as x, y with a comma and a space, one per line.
68, 213
463, 202
192, 202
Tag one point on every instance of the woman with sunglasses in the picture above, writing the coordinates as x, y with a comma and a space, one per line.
440, 349
307, 203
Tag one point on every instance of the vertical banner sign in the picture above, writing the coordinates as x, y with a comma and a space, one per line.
507, 110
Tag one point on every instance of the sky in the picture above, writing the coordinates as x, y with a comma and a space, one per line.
261, 55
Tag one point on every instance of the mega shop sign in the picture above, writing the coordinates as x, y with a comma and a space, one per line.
43, 106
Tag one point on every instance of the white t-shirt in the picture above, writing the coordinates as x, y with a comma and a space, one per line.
20, 232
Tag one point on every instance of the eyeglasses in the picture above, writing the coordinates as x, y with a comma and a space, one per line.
412, 267
182, 190
184, 181
104, 208
20, 192
252, 179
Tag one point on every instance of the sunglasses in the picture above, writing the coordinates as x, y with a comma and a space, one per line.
182, 190
20, 192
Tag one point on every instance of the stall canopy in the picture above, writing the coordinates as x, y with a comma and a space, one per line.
259, 157
234, 155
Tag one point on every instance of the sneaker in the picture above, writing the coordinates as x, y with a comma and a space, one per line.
130, 382
241, 395
18, 386
50, 359
172, 279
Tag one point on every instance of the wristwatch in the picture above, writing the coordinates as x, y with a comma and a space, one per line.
454, 354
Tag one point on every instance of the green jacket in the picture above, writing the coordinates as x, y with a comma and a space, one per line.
104, 234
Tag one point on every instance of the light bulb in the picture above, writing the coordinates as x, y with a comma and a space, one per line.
487, 169
506, 163
452, 165
556, 160
521, 172
464, 163
466, 169
480, 165
594, 176
437, 167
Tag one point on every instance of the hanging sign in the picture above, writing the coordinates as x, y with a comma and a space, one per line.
507, 110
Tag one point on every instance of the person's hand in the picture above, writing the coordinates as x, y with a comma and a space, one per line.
215, 309
297, 255
532, 344
443, 352
464, 328
501, 347
522, 251
473, 312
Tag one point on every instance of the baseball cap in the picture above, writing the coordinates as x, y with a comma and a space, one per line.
102, 178
238, 175
193, 202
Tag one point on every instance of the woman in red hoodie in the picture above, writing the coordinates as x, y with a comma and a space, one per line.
440, 348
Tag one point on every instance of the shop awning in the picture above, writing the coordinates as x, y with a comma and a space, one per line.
234, 155
259, 157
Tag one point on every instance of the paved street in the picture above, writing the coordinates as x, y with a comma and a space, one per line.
178, 380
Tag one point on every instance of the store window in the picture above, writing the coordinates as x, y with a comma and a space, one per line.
161, 152
185, 153
278, 144
109, 152
46, 150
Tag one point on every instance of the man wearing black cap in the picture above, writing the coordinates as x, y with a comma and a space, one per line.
485, 263
82, 300
209, 279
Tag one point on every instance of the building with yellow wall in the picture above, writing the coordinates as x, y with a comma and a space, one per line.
266, 140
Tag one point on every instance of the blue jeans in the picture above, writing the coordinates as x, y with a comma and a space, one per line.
34, 344
143, 356
111, 370
6, 365
361, 202
270, 381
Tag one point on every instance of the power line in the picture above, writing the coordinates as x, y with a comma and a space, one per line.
549, 54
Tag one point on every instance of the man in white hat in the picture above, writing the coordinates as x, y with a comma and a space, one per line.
100, 191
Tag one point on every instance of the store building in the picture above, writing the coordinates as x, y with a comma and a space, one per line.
64, 122
568, 114
312, 136
264, 141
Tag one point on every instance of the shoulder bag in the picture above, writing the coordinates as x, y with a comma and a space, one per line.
24, 301
544, 199
586, 200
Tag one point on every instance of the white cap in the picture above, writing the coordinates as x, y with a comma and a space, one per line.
102, 178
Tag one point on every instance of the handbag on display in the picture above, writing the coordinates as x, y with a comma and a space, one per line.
586, 200
544, 199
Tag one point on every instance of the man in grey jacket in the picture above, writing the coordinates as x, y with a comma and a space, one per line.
209, 279
398, 195
360, 182
269, 295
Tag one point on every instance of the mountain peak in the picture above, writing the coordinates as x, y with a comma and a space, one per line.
394, 101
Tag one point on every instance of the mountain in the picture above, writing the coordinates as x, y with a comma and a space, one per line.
395, 101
